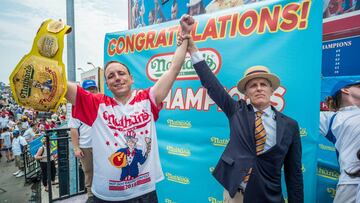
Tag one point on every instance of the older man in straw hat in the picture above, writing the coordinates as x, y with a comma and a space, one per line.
262, 140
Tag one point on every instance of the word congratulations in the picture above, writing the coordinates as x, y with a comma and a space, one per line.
178, 179
293, 15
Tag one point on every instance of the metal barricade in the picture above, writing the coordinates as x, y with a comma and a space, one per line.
32, 175
32, 167
68, 185
70, 176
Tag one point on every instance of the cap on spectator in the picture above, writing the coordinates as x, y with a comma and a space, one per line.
88, 83
343, 84
16, 132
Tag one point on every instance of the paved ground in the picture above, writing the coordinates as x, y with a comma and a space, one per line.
12, 189
75, 199
15, 190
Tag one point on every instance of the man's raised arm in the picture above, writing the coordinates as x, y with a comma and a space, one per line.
71, 92
164, 84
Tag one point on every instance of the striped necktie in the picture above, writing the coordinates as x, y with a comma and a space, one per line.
260, 138
260, 133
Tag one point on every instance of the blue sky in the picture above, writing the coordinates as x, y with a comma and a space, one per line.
20, 19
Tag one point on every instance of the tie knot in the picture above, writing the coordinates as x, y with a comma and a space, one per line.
259, 113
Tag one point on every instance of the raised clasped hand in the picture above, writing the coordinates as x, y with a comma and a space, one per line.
186, 24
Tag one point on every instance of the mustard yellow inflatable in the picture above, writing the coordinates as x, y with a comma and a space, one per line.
39, 79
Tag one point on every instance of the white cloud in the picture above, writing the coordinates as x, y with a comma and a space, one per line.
96, 21
20, 19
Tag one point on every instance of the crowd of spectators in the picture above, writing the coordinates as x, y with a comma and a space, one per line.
27, 123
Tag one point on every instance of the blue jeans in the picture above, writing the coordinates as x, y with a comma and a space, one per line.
150, 197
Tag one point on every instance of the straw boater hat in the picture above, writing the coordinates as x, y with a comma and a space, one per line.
193, 3
258, 72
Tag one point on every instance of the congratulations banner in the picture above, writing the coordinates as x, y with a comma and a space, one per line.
282, 35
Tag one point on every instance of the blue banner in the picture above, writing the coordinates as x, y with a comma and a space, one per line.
282, 35
340, 57
38, 142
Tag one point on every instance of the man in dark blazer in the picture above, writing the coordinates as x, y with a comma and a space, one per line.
250, 168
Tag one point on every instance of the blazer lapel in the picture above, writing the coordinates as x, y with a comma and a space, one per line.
251, 122
280, 126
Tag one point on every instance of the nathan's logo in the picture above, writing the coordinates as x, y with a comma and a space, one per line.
214, 200
303, 169
331, 191
160, 63
178, 151
219, 142
126, 123
27, 82
178, 124
167, 200
303, 132
177, 179
325, 147
328, 173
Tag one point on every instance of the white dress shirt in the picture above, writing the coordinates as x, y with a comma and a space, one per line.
268, 120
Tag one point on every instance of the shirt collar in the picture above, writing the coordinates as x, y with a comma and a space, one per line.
348, 108
267, 112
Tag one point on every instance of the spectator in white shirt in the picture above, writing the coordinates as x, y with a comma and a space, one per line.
3, 120
29, 134
5, 139
18, 145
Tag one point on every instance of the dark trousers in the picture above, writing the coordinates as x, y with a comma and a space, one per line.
150, 197
44, 174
